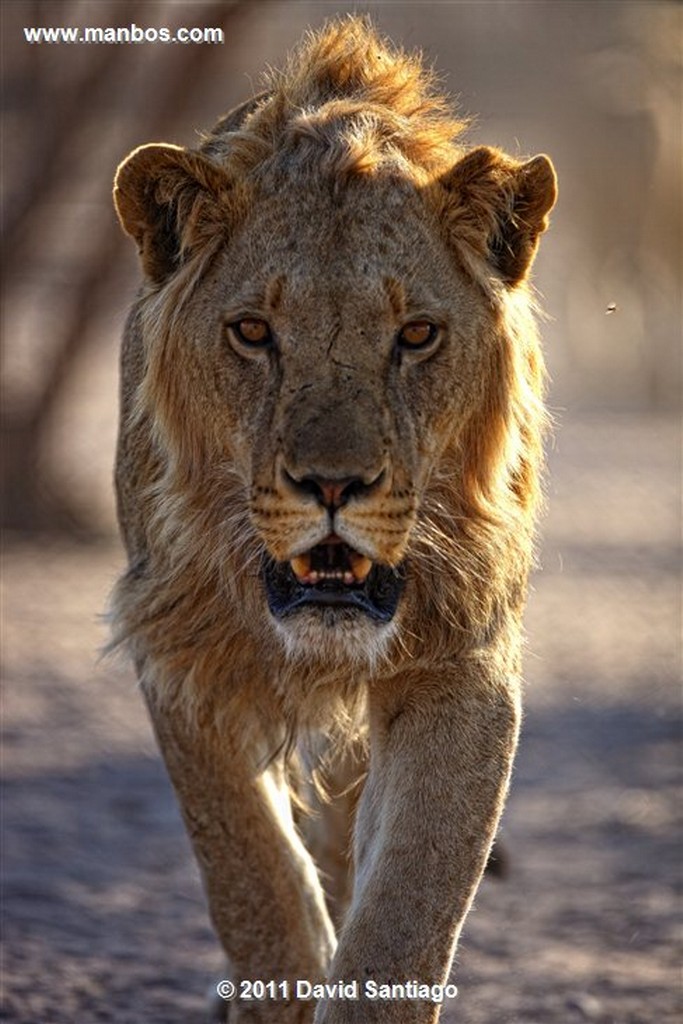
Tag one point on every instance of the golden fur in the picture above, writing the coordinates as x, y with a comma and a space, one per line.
337, 206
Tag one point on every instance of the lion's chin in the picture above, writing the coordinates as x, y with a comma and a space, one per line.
352, 588
335, 638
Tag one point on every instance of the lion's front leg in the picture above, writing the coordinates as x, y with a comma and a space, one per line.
441, 753
328, 830
263, 892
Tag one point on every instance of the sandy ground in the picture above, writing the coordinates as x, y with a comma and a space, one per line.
104, 918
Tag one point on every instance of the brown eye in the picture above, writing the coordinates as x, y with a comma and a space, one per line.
417, 334
252, 332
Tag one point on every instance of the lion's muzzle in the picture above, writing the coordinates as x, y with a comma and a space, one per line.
332, 573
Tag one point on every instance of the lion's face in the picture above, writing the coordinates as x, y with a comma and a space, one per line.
338, 343
338, 347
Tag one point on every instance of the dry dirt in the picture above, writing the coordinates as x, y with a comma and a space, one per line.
104, 918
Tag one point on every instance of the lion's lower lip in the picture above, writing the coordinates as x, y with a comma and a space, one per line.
375, 592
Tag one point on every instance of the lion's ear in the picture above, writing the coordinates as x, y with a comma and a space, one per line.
167, 199
499, 207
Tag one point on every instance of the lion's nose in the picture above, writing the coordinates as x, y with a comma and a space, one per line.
333, 494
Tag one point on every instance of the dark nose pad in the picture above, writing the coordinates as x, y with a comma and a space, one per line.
333, 494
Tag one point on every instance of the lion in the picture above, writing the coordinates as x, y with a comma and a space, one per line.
332, 418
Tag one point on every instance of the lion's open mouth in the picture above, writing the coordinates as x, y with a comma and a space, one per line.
332, 574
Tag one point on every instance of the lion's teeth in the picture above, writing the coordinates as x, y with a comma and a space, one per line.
360, 566
301, 566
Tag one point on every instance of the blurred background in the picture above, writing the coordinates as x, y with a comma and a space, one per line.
584, 929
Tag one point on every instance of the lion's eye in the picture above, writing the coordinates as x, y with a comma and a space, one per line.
252, 332
417, 334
